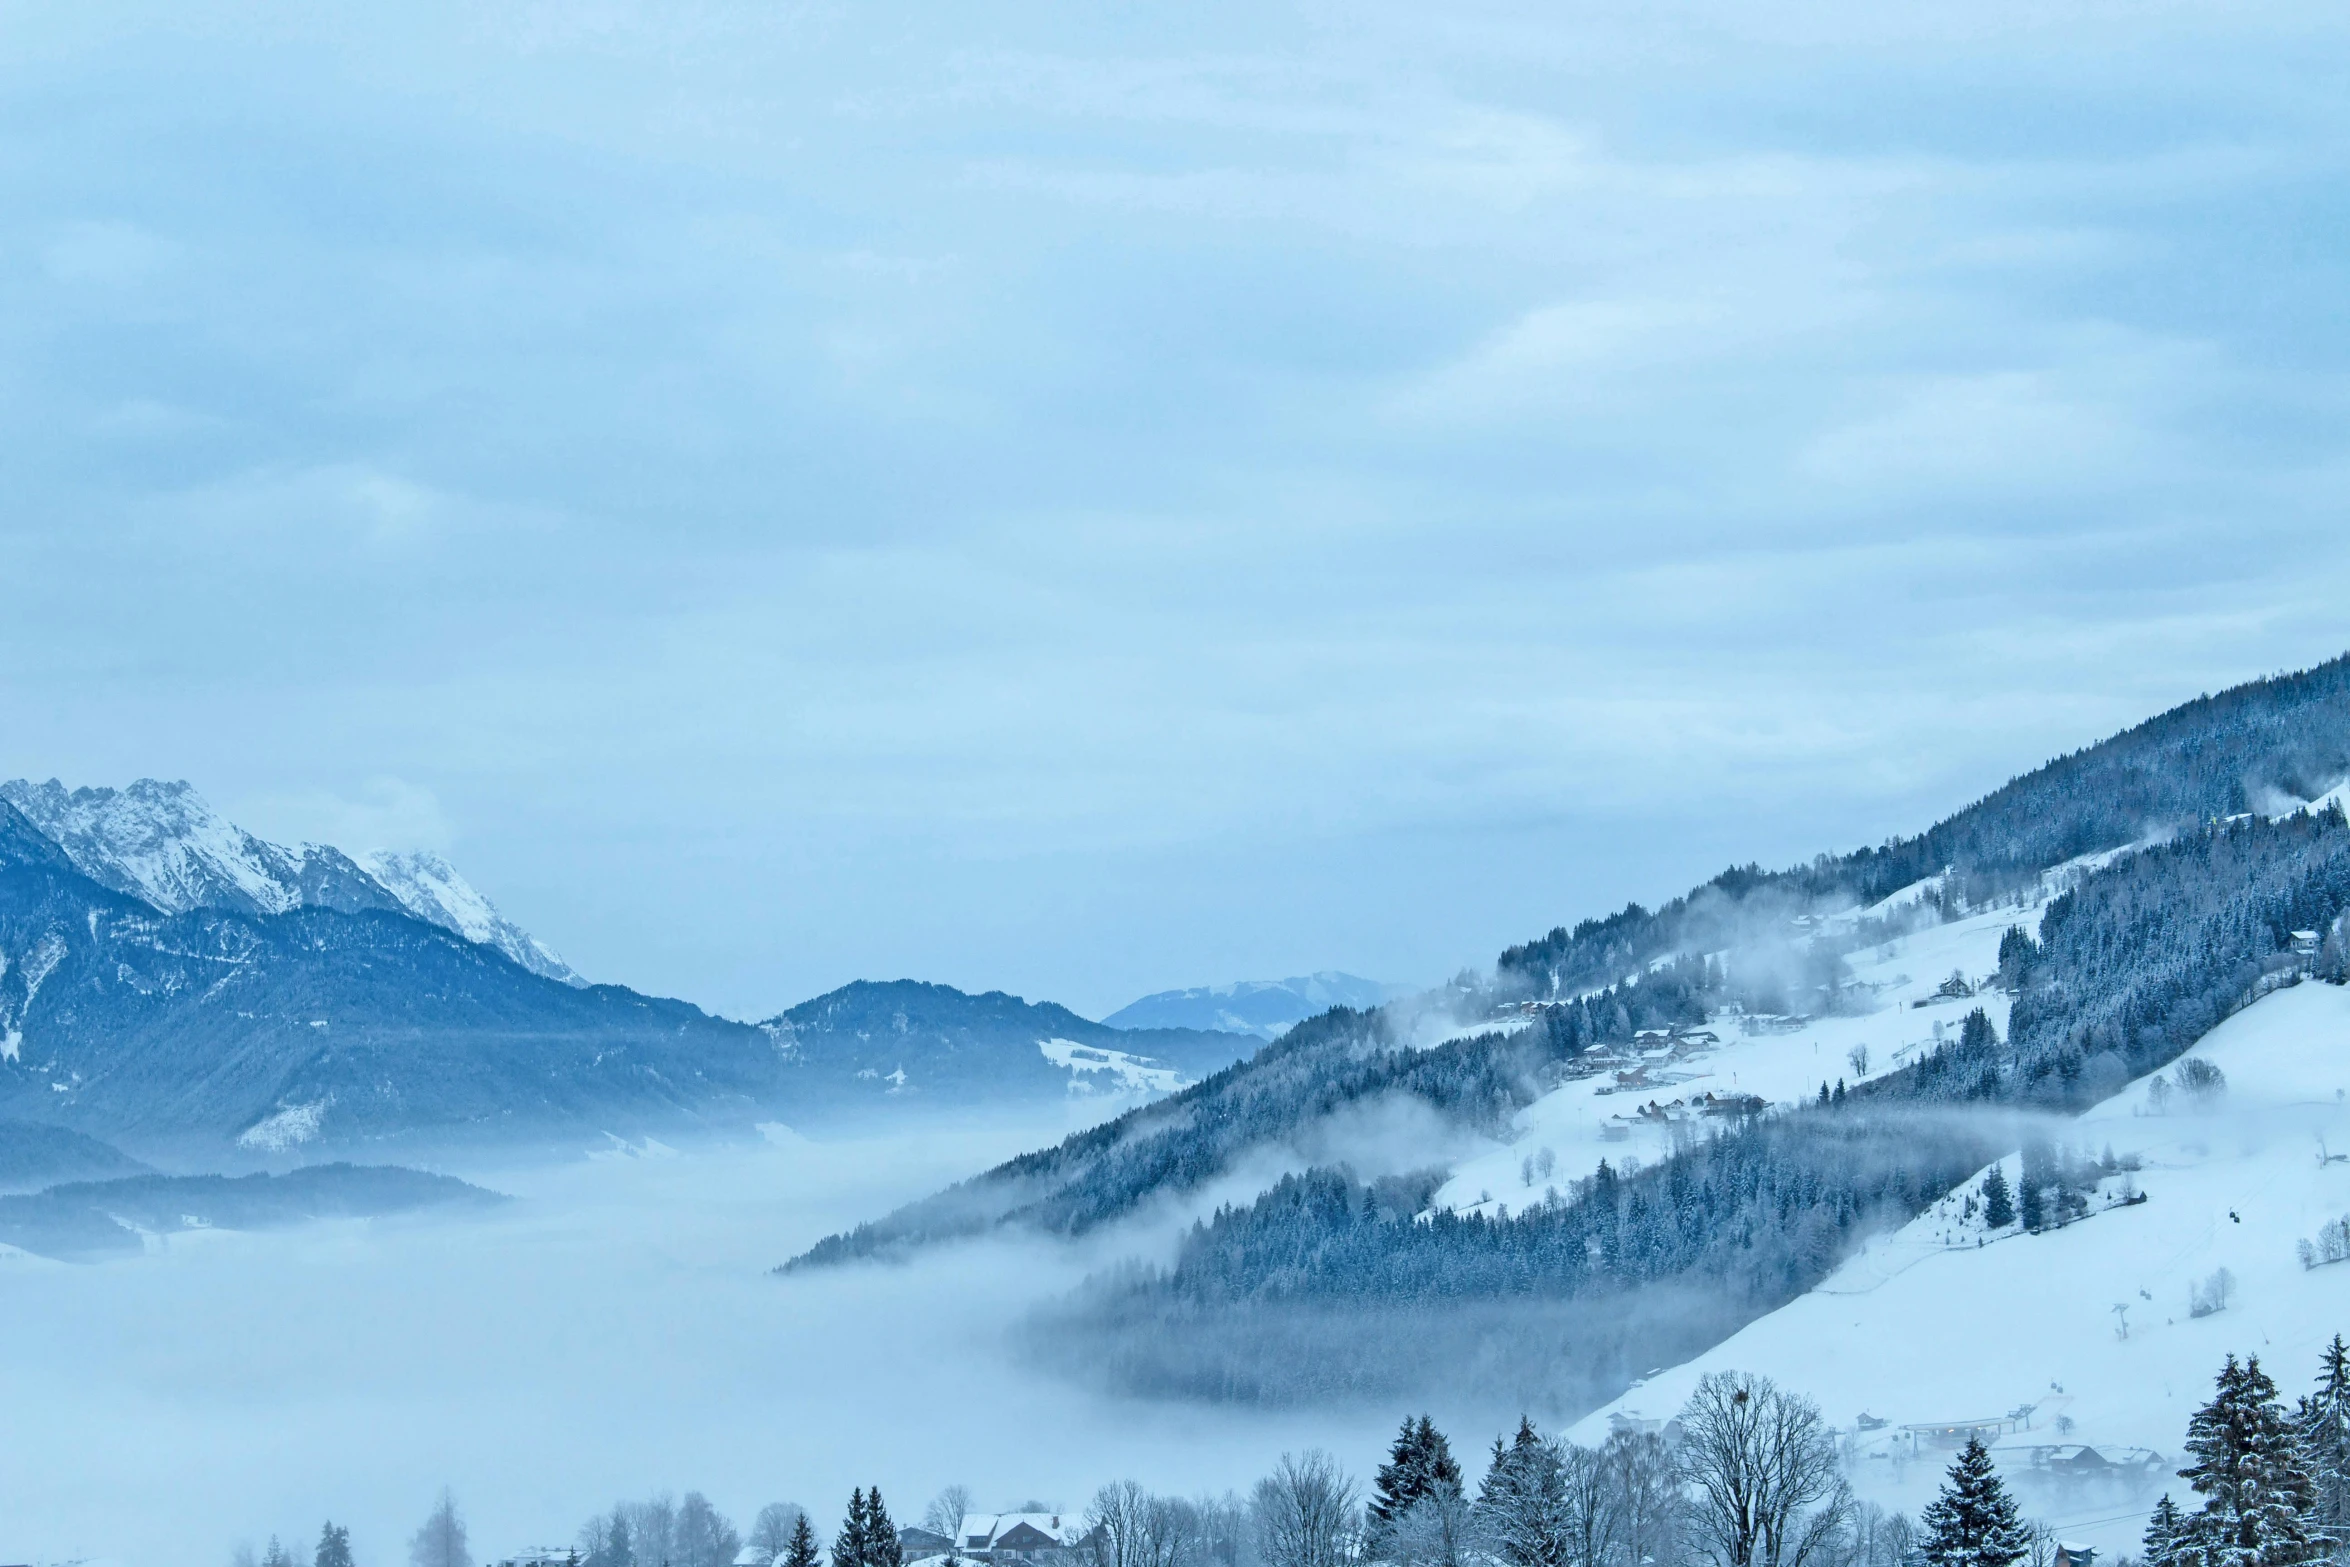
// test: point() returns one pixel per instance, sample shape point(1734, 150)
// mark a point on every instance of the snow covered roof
point(984, 1531)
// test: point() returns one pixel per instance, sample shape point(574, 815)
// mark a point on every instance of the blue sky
point(1085, 499)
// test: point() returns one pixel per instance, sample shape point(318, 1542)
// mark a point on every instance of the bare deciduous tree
point(1305, 1512)
point(946, 1512)
point(703, 1537)
point(1590, 1518)
point(1116, 1522)
point(1762, 1466)
point(1650, 1507)
point(1132, 1528)
point(1227, 1534)
point(441, 1542)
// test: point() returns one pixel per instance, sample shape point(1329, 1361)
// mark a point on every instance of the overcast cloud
point(1085, 500)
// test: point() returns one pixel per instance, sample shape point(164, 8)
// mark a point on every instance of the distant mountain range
point(906, 1037)
point(172, 983)
point(1266, 1008)
point(164, 845)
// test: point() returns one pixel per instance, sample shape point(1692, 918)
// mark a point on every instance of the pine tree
point(334, 1547)
point(2161, 1545)
point(881, 1536)
point(1417, 1464)
point(2323, 1422)
point(849, 1547)
point(2032, 1186)
point(802, 1551)
point(2249, 1467)
point(1522, 1504)
point(1998, 1206)
point(1974, 1522)
point(277, 1555)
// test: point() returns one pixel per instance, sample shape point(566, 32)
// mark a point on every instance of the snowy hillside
point(164, 844)
point(1263, 1007)
point(2088, 1334)
point(1634, 1105)
point(430, 888)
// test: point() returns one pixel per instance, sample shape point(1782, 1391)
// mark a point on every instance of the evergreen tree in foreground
point(1974, 1522)
point(881, 1536)
point(2161, 1545)
point(851, 1545)
point(801, 1551)
point(334, 1547)
point(2323, 1422)
point(2249, 1467)
point(1998, 1205)
point(1419, 1462)
point(1522, 1505)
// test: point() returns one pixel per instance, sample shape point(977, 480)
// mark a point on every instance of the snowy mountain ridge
point(1263, 1007)
point(430, 888)
point(163, 843)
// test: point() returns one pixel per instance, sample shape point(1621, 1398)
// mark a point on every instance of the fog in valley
point(613, 1332)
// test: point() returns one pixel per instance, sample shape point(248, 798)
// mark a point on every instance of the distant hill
point(907, 1039)
point(33, 1156)
point(1263, 1007)
point(86, 1221)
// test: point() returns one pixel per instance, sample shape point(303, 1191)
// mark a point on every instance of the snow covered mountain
point(193, 1032)
point(1263, 1007)
point(165, 845)
point(1645, 1132)
point(2102, 1334)
point(430, 888)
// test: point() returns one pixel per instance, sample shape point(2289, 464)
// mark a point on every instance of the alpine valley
point(2083, 1045)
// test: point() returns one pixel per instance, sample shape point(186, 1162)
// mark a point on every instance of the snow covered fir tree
point(1974, 1522)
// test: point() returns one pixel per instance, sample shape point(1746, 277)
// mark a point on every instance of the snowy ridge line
point(164, 844)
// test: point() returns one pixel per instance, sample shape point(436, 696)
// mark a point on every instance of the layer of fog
point(613, 1332)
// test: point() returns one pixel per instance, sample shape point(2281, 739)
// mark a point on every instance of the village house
point(1030, 1539)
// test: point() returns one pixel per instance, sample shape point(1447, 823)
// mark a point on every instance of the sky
point(1085, 500)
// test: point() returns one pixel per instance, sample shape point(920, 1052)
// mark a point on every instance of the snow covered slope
point(2087, 1334)
point(1263, 1007)
point(1636, 1109)
point(165, 845)
point(162, 843)
point(430, 888)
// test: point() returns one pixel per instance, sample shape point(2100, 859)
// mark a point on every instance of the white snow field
point(1928, 1327)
